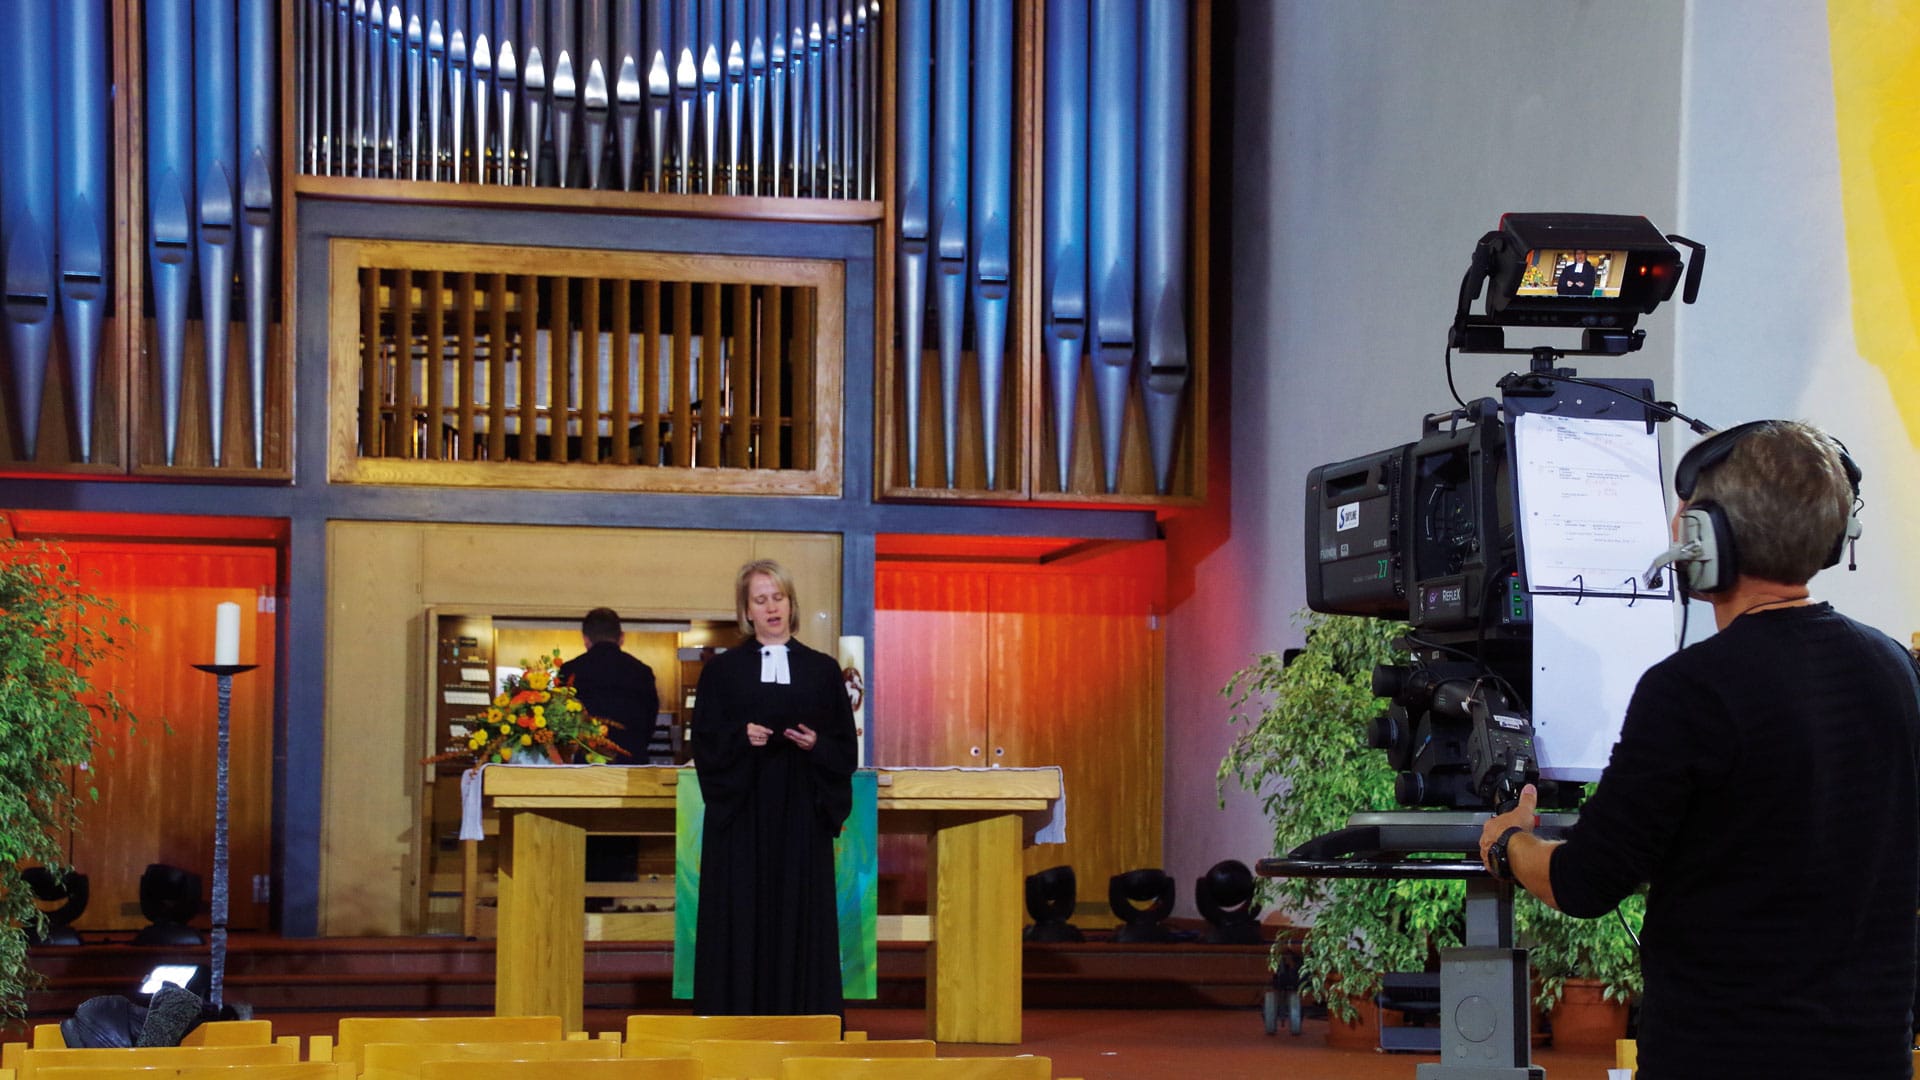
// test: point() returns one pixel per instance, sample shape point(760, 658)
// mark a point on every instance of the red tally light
point(1643, 271)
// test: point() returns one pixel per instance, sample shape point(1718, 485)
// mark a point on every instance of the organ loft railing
point(515, 367)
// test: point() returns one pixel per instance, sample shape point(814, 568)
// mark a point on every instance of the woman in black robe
point(774, 745)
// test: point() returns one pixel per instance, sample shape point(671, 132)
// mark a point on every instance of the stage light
point(1141, 924)
point(69, 892)
point(1051, 894)
point(1224, 895)
point(169, 897)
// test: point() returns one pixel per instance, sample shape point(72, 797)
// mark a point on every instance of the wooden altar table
point(976, 821)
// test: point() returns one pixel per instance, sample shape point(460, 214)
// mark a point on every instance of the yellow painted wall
point(382, 577)
point(1876, 91)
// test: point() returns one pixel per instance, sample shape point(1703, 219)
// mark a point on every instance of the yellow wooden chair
point(232, 1033)
point(402, 1061)
point(356, 1032)
point(1626, 1054)
point(684, 1068)
point(10, 1055)
point(952, 1068)
point(676, 1028)
point(212, 1033)
point(154, 1057)
point(294, 1070)
point(759, 1059)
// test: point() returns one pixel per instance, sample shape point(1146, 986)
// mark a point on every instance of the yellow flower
point(493, 715)
point(502, 699)
point(574, 706)
point(506, 729)
point(537, 680)
point(526, 740)
point(539, 721)
point(603, 729)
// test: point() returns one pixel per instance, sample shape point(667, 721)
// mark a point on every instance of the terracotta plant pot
point(1585, 1020)
point(1362, 1034)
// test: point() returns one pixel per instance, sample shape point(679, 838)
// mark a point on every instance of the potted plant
point(1303, 750)
point(1586, 971)
point(52, 634)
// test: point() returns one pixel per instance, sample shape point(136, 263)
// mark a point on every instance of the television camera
point(1425, 531)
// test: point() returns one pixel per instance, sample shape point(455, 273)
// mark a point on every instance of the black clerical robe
point(768, 939)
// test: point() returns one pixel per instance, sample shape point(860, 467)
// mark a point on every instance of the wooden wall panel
point(383, 576)
point(1081, 688)
point(156, 783)
point(1032, 663)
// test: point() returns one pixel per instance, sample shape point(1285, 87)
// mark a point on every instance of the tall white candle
point(226, 634)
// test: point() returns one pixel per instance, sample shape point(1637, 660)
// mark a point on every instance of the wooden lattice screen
point(485, 366)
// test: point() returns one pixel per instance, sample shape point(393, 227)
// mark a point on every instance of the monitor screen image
point(1573, 272)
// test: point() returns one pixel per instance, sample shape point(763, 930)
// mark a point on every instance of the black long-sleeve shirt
point(1767, 785)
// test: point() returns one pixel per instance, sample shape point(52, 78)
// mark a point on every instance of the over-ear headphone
point(1707, 549)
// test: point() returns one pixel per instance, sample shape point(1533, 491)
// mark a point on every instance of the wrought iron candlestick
point(224, 673)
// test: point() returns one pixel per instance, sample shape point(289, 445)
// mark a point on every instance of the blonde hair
point(740, 585)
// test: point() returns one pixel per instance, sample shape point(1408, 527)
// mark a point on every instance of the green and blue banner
point(856, 868)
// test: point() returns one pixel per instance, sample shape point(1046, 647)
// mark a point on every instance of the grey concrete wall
point(1373, 143)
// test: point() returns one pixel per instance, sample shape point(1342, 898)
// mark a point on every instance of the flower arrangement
point(536, 713)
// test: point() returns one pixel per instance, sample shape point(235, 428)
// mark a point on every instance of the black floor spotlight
point(61, 898)
point(1051, 894)
point(1224, 895)
point(169, 898)
point(1126, 892)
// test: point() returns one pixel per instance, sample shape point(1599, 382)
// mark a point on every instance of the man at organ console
point(616, 686)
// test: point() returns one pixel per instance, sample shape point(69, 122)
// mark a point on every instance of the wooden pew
point(295, 1070)
point(685, 1068)
point(356, 1032)
point(677, 1028)
point(759, 1059)
point(978, 1068)
point(155, 1057)
point(402, 1061)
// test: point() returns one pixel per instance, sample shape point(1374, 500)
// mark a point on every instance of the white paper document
point(1592, 511)
point(1588, 654)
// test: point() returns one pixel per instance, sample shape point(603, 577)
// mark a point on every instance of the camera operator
point(1766, 785)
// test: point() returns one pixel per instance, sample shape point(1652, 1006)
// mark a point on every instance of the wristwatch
point(1497, 854)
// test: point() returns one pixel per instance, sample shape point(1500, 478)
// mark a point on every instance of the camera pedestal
point(1484, 1031)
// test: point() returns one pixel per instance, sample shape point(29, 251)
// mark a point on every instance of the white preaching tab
point(1592, 509)
point(773, 665)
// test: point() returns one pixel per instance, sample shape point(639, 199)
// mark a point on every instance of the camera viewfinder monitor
point(1592, 270)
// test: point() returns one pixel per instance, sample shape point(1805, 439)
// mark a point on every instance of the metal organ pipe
point(1112, 150)
point(913, 195)
point(215, 136)
point(85, 200)
point(170, 217)
point(27, 204)
point(992, 211)
point(1064, 219)
point(259, 154)
point(1162, 318)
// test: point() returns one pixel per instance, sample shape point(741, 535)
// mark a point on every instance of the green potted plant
point(52, 633)
point(1586, 971)
point(1303, 750)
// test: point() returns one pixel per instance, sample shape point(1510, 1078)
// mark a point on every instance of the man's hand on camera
point(1528, 858)
point(1520, 817)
